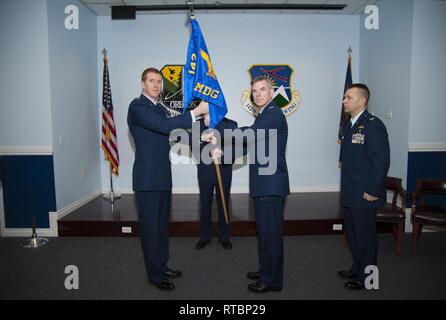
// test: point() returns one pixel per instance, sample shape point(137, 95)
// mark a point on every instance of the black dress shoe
point(254, 275)
point(346, 274)
point(164, 285)
point(173, 274)
point(258, 287)
point(355, 285)
point(201, 244)
point(226, 244)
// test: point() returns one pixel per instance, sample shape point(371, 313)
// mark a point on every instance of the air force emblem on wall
point(284, 97)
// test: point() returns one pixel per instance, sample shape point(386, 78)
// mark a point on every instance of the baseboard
point(26, 150)
point(238, 190)
point(335, 188)
point(77, 204)
point(427, 147)
point(52, 231)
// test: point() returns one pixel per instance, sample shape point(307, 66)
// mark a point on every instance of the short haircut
point(150, 70)
point(262, 78)
point(363, 91)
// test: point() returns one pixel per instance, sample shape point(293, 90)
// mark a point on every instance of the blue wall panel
point(28, 190)
point(426, 165)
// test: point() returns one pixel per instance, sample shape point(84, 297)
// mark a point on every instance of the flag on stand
point(109, 138)
point(345, 117)
point(200, 80)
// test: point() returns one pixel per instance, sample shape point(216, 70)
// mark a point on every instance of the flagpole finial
point(350, 50)
point(104, 52)
point(191, 9)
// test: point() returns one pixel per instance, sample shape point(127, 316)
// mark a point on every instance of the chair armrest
point(415, 196)
point(404, 197)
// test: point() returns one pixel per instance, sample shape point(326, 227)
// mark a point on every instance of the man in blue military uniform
point(268, 189)
point(365, 160)
point(207, 182)
point(152, 177)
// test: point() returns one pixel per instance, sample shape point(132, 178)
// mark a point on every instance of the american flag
point(109, 139)
point(345, 117)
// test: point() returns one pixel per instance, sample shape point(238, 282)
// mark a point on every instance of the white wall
point(25, 108)
point(73, 70)
point(385, 68)
point(428, 81)
point(314, 45)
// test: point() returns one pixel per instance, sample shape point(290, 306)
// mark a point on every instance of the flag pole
point(35, 241)
point(344, 115)
point(220, 187)
point(191, 9)
point(111, 195)
point(216, 161)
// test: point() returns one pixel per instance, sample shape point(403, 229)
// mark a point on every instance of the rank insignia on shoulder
point(361, 127)
point(373, 118)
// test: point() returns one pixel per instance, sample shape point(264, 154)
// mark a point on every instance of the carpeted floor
point(113, 268)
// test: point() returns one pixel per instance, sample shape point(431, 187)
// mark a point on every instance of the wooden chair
point(427, 215)
point(392, 213)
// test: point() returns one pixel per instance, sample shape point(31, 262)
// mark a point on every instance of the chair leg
point(395, 228)
point(416, 231)
point(399, 238)
point(420, 229)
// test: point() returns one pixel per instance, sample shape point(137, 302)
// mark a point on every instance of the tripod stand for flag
point(111, 195)
point(34, 241)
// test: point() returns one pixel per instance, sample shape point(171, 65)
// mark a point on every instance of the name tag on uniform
point(358, 138)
